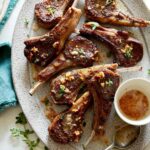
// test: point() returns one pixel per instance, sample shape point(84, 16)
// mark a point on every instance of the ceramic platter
point(23, 78)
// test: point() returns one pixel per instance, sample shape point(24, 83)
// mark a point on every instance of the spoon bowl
point(125, 137)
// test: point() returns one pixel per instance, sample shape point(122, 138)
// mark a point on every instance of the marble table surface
point(7, 117)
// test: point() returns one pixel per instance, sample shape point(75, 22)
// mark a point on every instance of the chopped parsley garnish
point(149, 71)
point(21, 119)
point(46, 102)
point(77, 51)
point(128, 51)
point(51, 10)
point(45, 148)
point(94, 25)
point(109, 82)
point(61, 90)
point(62, 117)
point(36, 60)
point(108, 2)
point(26, 22)
point(81, 86)
point(80, 51)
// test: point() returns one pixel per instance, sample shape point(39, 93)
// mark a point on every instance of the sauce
point(49, 111)
point(134, 104)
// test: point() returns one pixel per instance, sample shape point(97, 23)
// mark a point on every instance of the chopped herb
point(61, 90)
point(36, 60)
point(51, 10)
point(21, 119)
point(81, 51)
point(15, 132)
point(46, 102)
point(109, 82)
point(149, 71)
point(45, 148)
point(26, 22)
point(24, 133)
point(94, 25)
point(108, 2)
point(62, 116)
point(77, 51)
point(82, 86)
point(128, 51)
point(32, 144)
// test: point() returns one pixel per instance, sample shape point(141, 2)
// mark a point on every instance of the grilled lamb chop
point(105, 11)
point(42, 50)
point(50, 12)
point(67, 126)
point(65, 88)
point(102, 107)
point(127, 51)
point(79, 51)
point(103, 91)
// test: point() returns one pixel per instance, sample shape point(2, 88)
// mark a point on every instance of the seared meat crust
point(79, 51)
point(105, 11)
point(127, 51)
point(42, 50)
point(64, 89)
point(67, 126)
point(48, 13)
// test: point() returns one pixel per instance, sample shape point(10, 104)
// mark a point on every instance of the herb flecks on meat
point(67, 127)
point(105, 11)
point(127, 51)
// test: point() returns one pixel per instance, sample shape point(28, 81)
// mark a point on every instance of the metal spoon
point(124, 137)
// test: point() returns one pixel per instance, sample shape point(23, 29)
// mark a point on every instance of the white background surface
point(7, 117)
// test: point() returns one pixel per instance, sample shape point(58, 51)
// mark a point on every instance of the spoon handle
point(110, 147)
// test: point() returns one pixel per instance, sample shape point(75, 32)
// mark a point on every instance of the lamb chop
point(127, 51)
point(79, 51)
point(103, 91)
point(49, 12)
point(105, 11)
point(67, 126)
point(65, 88)
point(42, 50)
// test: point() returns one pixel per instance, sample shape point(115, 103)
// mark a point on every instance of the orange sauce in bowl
point(134, 104)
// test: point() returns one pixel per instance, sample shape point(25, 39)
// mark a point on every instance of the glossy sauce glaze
point(134, 104)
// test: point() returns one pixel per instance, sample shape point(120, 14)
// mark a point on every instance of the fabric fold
point(7, 94)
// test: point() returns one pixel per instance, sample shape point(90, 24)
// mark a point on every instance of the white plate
point(32, 107)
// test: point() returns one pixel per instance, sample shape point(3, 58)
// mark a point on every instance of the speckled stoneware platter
point(31, 105)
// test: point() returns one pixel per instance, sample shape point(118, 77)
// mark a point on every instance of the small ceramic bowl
point(139, 84)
